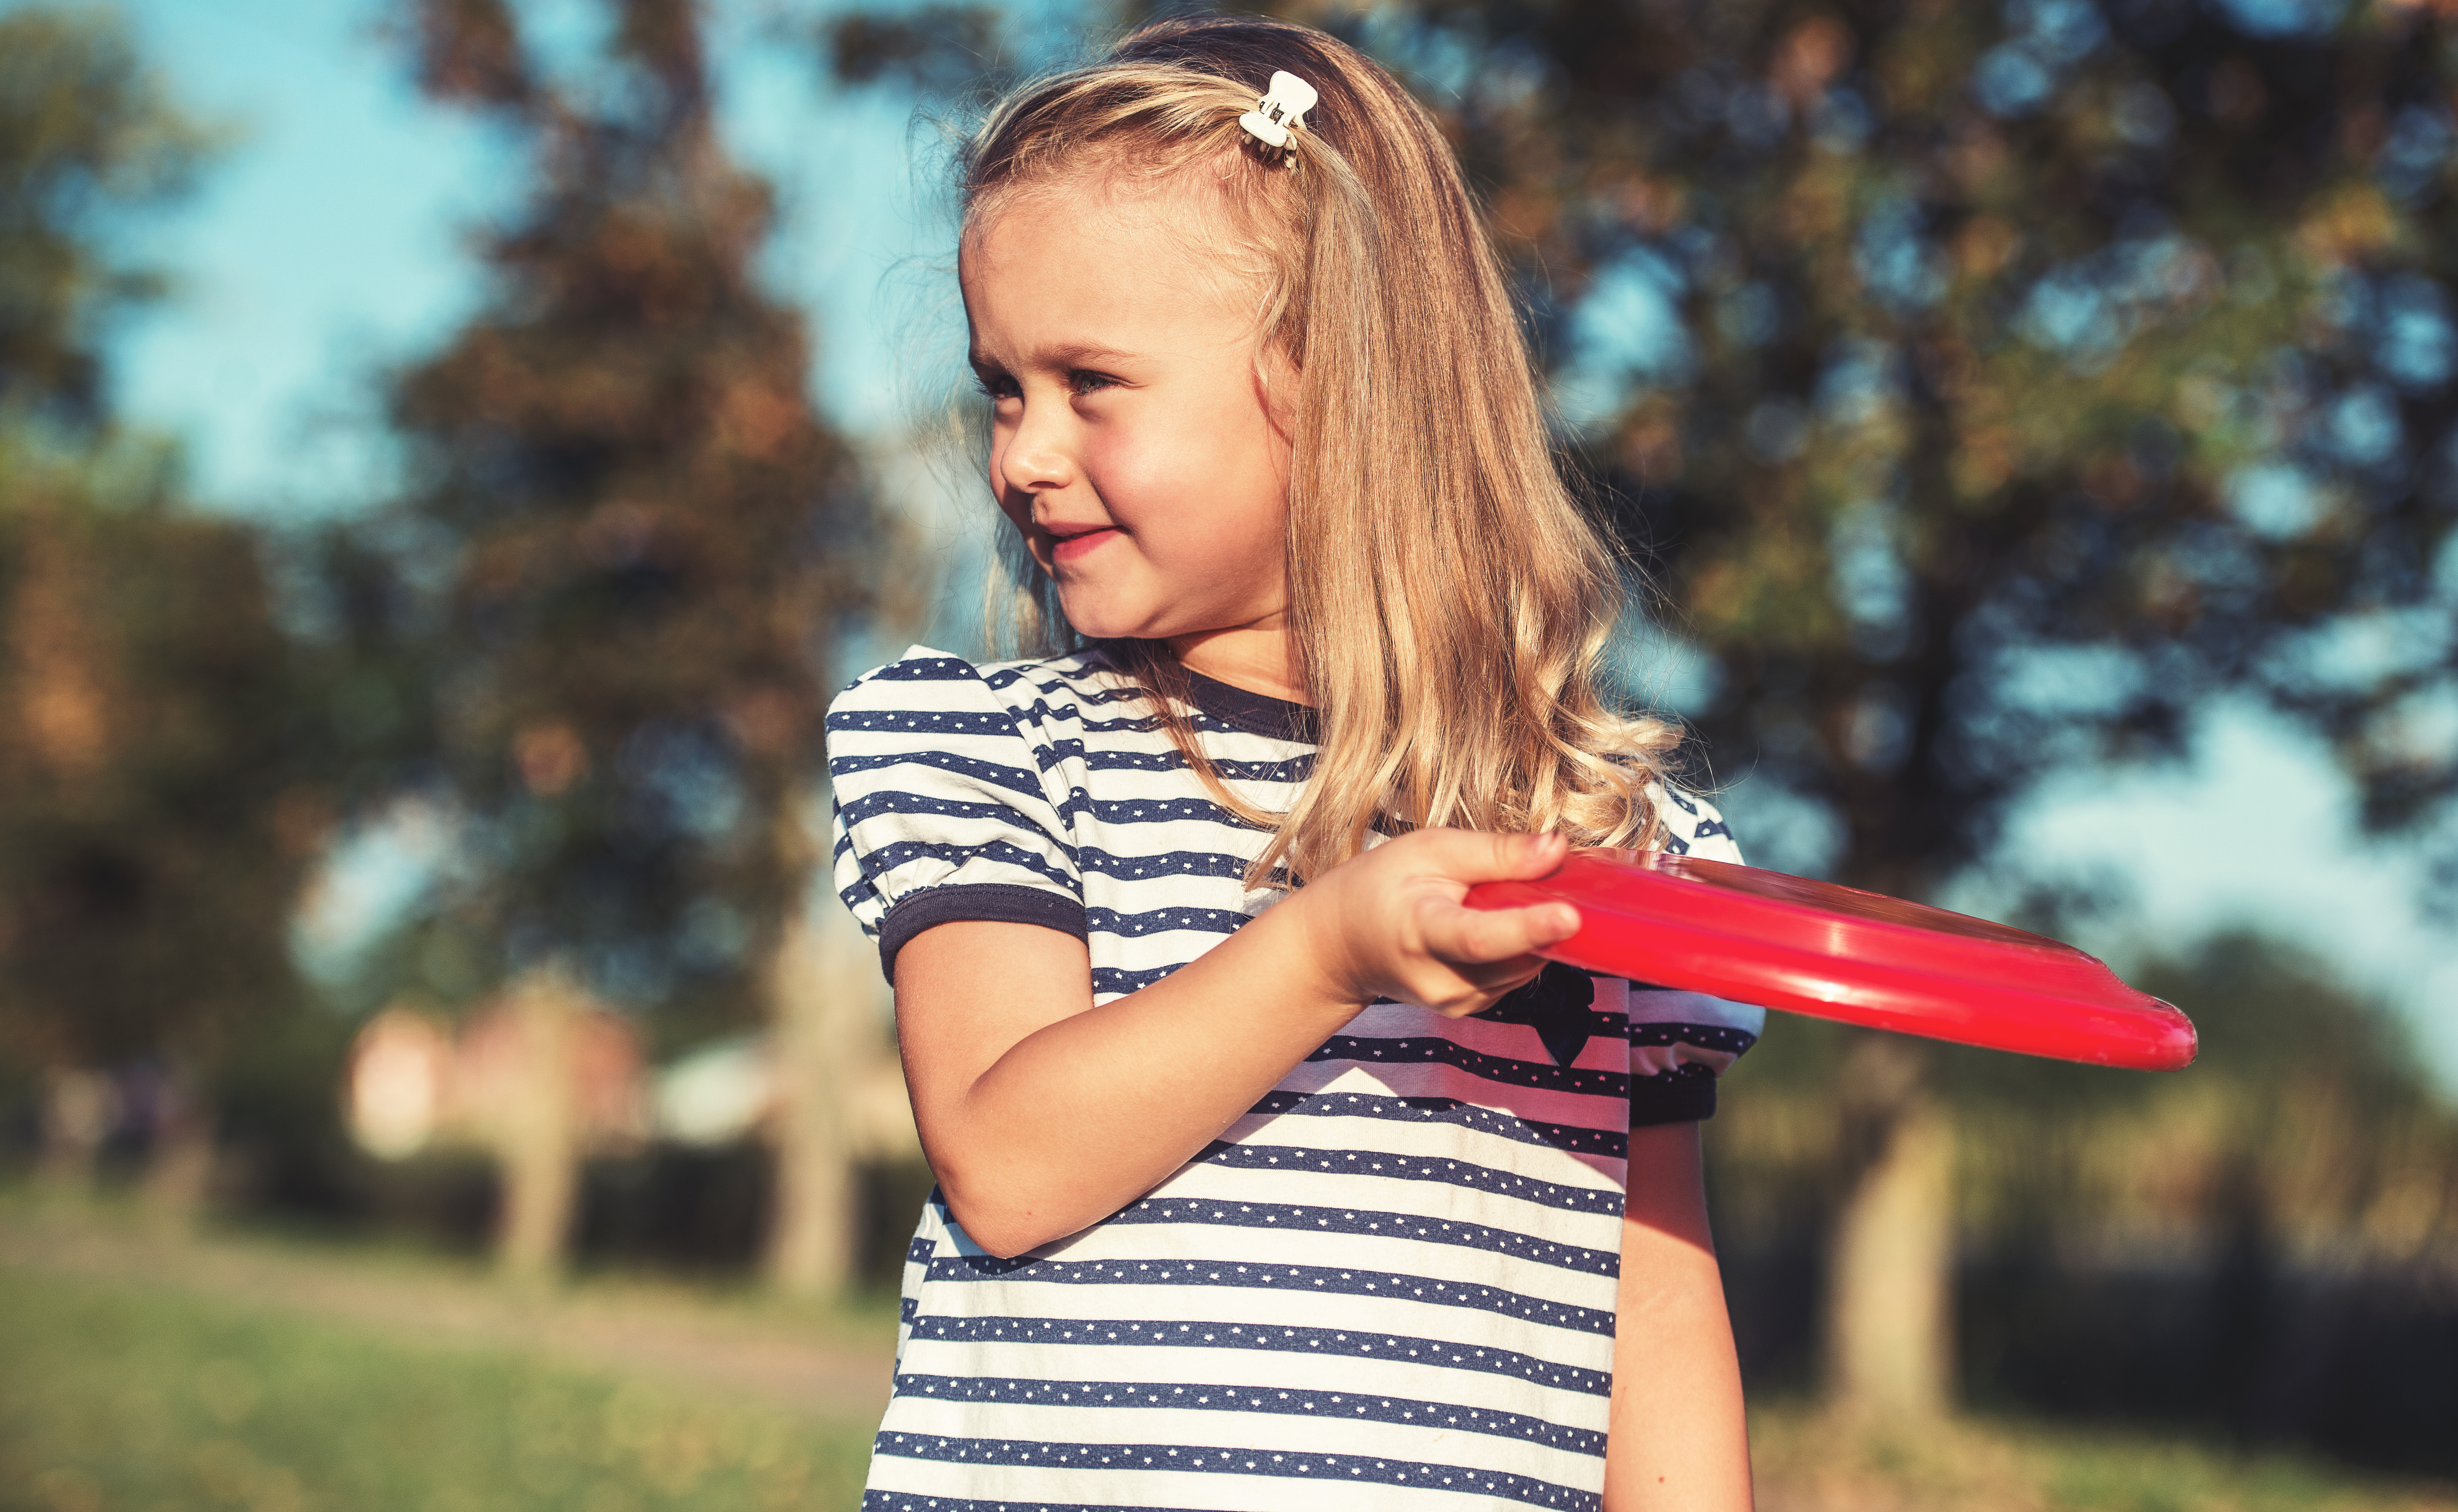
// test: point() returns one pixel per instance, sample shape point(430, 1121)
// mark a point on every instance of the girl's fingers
point(1481, 856)
point(1455, 932)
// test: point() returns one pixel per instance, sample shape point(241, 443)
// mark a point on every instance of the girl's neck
point(1253, 657)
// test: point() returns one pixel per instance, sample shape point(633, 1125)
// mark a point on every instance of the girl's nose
point(1035, 458)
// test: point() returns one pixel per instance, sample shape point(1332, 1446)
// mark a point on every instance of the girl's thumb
point(1539, 854)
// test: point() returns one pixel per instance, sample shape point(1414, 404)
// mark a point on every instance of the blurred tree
point(639, 539)
point(152, 831)
point(151, 828)
point(1989, 388)
point(935, 51)
point(2259, 1246)
point(86, 136)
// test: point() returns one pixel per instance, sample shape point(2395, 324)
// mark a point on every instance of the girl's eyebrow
point(1058, 357)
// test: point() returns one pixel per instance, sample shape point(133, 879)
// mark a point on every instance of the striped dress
point(1390, 1285)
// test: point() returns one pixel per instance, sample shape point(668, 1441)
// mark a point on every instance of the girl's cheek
point(1139, 475)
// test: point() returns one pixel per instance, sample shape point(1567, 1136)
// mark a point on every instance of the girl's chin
point(1114, 622)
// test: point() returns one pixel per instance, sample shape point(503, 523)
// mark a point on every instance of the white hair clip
point(1280, 111)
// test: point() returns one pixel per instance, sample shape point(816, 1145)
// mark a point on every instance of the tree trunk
point(538, 1131)
point(1889, 1344)
point(824, 999)
point(80, 1108)
point(179, 1164)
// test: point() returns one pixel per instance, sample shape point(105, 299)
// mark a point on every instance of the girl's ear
point(1277, 376)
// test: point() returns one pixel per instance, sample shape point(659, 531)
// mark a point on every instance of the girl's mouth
point(1069, 547)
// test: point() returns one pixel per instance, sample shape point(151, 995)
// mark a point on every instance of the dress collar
point(1276, 718)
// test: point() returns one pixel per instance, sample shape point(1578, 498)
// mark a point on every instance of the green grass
point(118, 1400)
point(1805, 1460)
point(118, 1396)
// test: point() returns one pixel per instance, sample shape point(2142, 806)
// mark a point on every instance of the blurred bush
point(2263, 1247)
point(154, 825)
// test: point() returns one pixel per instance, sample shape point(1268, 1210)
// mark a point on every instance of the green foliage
point(118, 1396)
point(631, 536)
point(1987, 386)
point(152, 834)
point(86, 135)
point(937, 50)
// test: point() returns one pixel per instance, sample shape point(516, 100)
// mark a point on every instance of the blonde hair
point(1450, 601)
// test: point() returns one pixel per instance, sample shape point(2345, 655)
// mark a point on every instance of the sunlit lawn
point(119, 1398)
point(1807, 1463)
point(113, 1398)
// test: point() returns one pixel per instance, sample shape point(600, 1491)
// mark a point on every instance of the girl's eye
point(1080, 383)
point(996, 388)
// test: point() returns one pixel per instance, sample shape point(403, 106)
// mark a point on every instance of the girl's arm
point(1677, 1438)
point(1041, 1114)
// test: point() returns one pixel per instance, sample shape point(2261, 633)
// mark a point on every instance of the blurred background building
point(451, 449)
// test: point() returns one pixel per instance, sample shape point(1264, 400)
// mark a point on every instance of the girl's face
point(1132, 440)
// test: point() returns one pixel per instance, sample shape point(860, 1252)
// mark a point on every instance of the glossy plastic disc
point(1803, 946)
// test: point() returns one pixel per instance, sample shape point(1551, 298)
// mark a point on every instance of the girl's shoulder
point(1047, 700)
point(1693, 826)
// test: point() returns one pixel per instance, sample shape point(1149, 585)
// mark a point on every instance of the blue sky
point(328, 243)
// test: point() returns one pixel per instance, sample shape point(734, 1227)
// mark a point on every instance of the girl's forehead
point(1129, 256)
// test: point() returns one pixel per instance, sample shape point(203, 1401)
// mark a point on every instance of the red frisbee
point(1839, 953)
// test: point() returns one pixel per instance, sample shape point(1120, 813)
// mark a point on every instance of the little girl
point(1271, 1176)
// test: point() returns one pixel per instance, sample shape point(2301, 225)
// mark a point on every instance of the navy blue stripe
point(1705, 1036)
point(1123, 983)
point(1041, 713)
point(1088, 691)
point(921, 669)
point(1292, 772)
point(1160, 921)
point(1148, 810)
point(1095, 862)
point(956, 1266)
point(1203, 718)
point(1014, 779)
point(1366, 1223)
point(889, 805)
point(921, 721)
point(1348, 1406)
point(1578, 1139)
point(1429, 1049)
point(1278, 1338)
point(1342, 1468)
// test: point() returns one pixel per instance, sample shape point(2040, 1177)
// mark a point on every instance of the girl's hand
point(1390, 924)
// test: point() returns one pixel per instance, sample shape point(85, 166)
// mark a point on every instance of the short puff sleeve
point(944, 807)
point(1680, 1043)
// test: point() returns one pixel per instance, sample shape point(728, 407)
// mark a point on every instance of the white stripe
point(1406, 1140)
point(1133, 1485)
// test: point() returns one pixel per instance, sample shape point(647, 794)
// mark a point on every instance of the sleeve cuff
point(993, 902)
point(1672, 1100)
